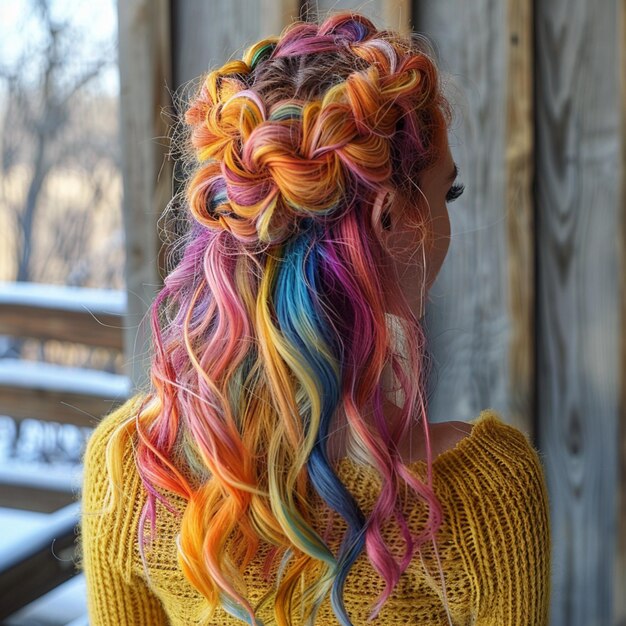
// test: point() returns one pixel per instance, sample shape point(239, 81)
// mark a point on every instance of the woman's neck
point(410, 448)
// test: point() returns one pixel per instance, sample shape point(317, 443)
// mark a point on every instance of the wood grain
point(392, 14)
point(468, 320)
point(579, 146)
point(519, 211)
point(145, 79)
point(23, 320)
point(619, 579)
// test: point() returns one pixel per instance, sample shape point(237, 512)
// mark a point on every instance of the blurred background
point(526, 316)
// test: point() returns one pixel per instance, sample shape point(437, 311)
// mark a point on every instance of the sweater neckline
point(486, 416)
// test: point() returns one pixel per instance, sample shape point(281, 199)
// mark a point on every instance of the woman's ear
point(386, 219)
point(387, 211)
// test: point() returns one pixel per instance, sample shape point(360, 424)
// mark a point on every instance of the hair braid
point(262, 171)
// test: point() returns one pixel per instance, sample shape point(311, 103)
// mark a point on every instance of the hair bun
point(304, 158)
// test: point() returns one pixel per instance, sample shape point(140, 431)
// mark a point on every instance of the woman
point(281, 466)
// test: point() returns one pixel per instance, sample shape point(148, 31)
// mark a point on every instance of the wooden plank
point(93, 317)
point(397, 15)
point(103, 331)
point(580, 274)
point(619, 580)
point(468, 320)
point(63, 297)
point(392, 14)
point(41, 500)
point(519, 207)
point(39, 487)
point(145, 81)
point(55, 393)
point(206, 35)
point(55, 406)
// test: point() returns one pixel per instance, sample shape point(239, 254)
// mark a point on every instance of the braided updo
point(322, 120)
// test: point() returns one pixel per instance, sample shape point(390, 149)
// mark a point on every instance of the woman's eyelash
point(454, 192)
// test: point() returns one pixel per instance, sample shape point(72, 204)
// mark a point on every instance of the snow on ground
point(20, 531)
point(66, 605)
point(19, 528)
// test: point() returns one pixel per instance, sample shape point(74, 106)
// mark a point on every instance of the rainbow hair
point(275, 319)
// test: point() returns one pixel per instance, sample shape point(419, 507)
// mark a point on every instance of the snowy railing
point(40, 562)
point(45, 391)
point(56, 393)
point(75, 314)
point(52, 392)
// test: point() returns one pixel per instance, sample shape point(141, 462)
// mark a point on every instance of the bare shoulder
point(452, 432)
point(445, 435)
point(459, 426)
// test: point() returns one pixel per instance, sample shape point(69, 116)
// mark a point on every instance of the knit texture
point(494, 544)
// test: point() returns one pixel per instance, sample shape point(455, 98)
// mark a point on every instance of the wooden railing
point(33, 568)
point(57, 393)
point(51, 392)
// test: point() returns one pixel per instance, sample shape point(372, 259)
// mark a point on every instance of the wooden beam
point(145, 81)
point(276, 14)
point(39, 487)
point(41, 500)
point(519, 211)
point(580, 274)
point(469, 320)
point(206, 35)
point(619, 580)
point(54, 406)
point(391, 14)
point(104, 331)
point(397, 15)
point(94, 317)
point(67, 395)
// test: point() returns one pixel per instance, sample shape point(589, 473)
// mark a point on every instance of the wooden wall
point(580, 277)
point(526, 315)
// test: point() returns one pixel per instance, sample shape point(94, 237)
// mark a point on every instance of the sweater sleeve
point(115, 595)
point(512, 528)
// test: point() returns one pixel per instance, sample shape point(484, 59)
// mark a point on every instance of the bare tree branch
point(35, 121)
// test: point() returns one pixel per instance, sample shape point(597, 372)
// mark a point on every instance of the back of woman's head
point(274, 324)
point(310, 125)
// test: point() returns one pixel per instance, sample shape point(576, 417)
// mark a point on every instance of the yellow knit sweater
point(494, 544)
